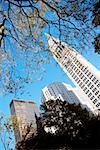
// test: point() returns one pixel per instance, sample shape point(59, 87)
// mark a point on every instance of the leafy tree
point(64, 126)
point(96, 14)
point(96, 23)
point(7, 124)
point(97, 44)
point(68, 120)
point(22, 27)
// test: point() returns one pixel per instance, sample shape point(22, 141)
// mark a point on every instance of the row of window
point(85, 70)
point(82, 72)
point(81, 75)
point(98, 104)
point(83, 85)
point(91, 76)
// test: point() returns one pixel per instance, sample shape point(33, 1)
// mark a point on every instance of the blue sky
point(53, 74)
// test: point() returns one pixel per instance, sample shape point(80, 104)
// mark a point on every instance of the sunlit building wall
point(25, 112)
point(61, 91)
point(83, 74)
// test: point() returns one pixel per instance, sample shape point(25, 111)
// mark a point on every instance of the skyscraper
point(83, 74)
point(62, 91)
point(59, 90)
point(25, 113)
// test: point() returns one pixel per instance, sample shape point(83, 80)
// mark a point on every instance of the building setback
point(83, 74)
point(25, 113)
point(59, 90)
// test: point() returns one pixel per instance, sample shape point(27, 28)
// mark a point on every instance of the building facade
point(83, 74)
point(25, 113)
point(59, 90)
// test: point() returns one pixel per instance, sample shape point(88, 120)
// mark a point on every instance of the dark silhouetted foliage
point(97, 44)
point(74, 128)
point(96, 14)
point(96, 23)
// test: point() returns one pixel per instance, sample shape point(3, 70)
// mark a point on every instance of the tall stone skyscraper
point(25, 113)
point(83, 74)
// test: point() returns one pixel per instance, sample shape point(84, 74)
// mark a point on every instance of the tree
point(96, 23)
point(68, 120)
point(7, 124)
point(64, 126)
point(96, 14)
point(97, 44)
point(22, 27)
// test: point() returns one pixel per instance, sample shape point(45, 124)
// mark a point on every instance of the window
point(77, 70)
point(96, 81)
point(80, 84)
point(88, 74)
point(91, 76)
point(73, 75)
point(76, 61)
point(87, 91)
point(94, 90)
point(84, 69)
point(97, 93)
point(80, 66)
point(80, 74)
point(98, 85)
point(62, 46)
point(83, 86)
point(92, 98)
point(74, 67)
point(78, 81)
point(66, 66)
point(89, 94)
point(71, 72)
point(91, 87)
point(76, 78)
point(84, 79)
point(89, 83)
point(74, 58)
point(95, 101)
point(98, 105)
point(56, 56)
point(99, 97)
